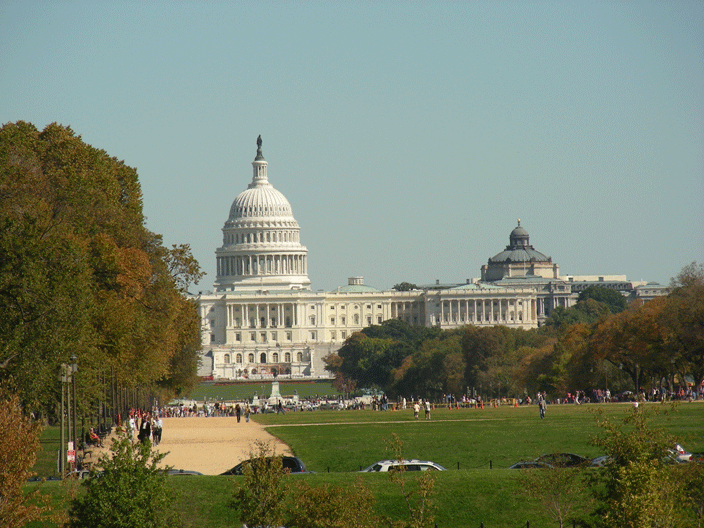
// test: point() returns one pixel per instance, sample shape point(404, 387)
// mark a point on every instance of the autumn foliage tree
point(19, 443)
point(80, 274)
point(683, 320)
point(634, 340)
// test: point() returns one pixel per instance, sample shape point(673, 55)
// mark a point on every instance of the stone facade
point(258, 334)
point(263, 321)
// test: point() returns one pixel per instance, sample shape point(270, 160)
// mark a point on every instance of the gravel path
point(209, 445)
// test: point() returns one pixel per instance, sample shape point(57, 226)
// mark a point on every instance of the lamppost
point(74, 369)
point(63, 379)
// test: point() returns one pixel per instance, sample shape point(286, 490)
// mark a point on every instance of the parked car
point(601, 461)
point(697, 458)
point(408, 465)
point(182, 472)
point(562, 460)
point(681, 454)
point(530, 464)
point(290, 464)
point(675, 455)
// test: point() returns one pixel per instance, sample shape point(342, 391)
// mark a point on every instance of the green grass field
point(335, 444)
point(231, 391)
point(472, 438)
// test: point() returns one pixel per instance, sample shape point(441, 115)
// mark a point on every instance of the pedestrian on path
point(542, 404)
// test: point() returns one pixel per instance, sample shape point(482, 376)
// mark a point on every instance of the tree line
point(82, 276)
point(601, 342)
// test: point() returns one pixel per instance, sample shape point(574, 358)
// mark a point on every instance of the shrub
point(637, 488)
point(260, 496)
point(128, 489)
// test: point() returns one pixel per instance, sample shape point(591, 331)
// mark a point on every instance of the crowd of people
point(147, 425)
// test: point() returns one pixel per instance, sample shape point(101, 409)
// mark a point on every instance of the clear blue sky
point(407, 136)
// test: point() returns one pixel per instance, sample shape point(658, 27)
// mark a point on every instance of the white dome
point(261, 239)
point(261, 200)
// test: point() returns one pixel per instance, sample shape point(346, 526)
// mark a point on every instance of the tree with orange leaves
point(19, 443)
point(634, 340)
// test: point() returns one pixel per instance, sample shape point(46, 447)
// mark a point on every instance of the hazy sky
point(407, 136)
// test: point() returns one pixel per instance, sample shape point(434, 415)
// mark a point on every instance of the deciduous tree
point(611, 298)
point(683, 319)
point(19, 443)
point(81, 275)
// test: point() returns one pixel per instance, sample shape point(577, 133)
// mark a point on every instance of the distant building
point(519, 259)
point(520, 265)
point(649, 291)
point(262, 320)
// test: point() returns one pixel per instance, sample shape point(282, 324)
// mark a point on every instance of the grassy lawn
point(335, 444)
point(470, 438)
point(463, 498)
point(228, 391)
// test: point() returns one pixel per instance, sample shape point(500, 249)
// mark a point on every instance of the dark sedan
point(290, 464)
point(563, 460)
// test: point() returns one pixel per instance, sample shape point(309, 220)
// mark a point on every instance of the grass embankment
point(342, 441)
point(241, 390)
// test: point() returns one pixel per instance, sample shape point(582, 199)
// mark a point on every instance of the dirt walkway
point(210, 445)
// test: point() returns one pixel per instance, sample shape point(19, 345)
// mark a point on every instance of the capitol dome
point(261, 239)
point(262, 200)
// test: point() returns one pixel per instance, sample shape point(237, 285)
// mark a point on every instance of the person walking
point(156, 430)
point(542, 404)
point(247, 412)
point(416, 410)
point(238, 412)
point(427, 409)
point(145, 429)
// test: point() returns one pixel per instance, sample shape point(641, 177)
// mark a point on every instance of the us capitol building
point(262, 320)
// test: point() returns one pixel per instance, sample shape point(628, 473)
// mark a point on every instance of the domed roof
point(518, 231)
point(356, 285)
point(260, 201)
point(519, 249)
point(520, 255)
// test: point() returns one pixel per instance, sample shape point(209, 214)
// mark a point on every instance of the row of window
point(263, 357)
point(260, 237)
point(486, 318)
point(342, 307)
point(343, 320)
point(264, 337)
point(311, 321)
